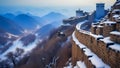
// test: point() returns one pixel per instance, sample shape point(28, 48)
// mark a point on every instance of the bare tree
point(11, 57)
point(19, 52)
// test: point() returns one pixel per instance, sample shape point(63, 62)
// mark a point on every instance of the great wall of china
point(99, 47)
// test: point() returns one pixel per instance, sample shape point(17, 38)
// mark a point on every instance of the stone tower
point(100, 11)
point(79, 13)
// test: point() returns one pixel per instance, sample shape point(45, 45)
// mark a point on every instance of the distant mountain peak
point(53, 16)
point(23, 16)
point(9, 15)
point(54, 13)
point(9, 25)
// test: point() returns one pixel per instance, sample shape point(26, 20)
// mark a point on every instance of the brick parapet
point(100, 48)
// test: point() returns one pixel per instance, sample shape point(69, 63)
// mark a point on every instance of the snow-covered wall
point(104, 48)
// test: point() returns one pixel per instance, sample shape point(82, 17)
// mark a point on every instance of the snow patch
point(109, 22)
point(107, 40)
point(80, 64)
point(99, 26)
point(116, 10)
point(78, 26)
point(115, 47)
point(11, 35)
point(38, 26)
point(69, 66)
point(115, 32)
point(96, 36)
point(116, 16)
point(19, 44)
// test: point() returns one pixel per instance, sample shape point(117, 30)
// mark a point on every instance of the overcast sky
point(48, 3)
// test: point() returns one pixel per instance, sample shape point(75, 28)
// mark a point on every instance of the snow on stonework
point(100, 26)
point(114, 46)
point(96, 36)
point(80, 64)
point(78, 26)
point(95, 60)
point(109, 22)
point(69, 66)
point(116, 10)
point(77, 42)
point(107, 40)
point(115, 32)
point(116, 16)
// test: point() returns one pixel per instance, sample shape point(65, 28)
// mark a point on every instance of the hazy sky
point(47, 3)
point(42, 7)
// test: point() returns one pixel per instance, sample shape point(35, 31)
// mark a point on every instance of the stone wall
point(93, 29)
point(74, 53)
point(97, 46)
point(115, 38)
point(84, 38)
point(74, 20)
point(107, 29)
point(118, 26)
point(99, 30)
point(78, 55)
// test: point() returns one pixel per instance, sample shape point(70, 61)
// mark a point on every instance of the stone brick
point(93, 30)
point(107, 29)
point(74, 53)
point(88, 62)
point(113, 59)
point(99, 30)
point(115, 38)
point(118, 26)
